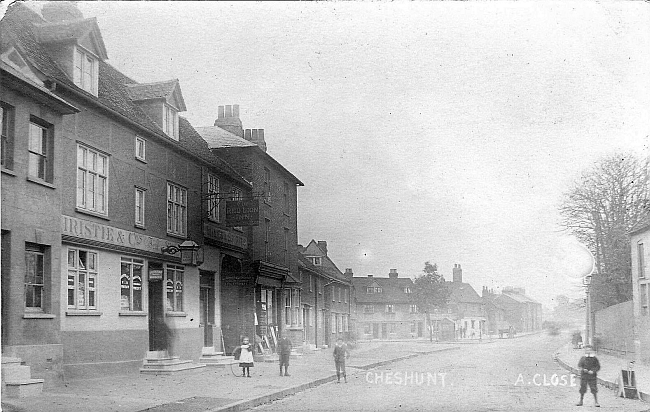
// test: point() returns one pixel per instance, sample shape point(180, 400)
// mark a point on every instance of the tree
point(610, 198)
point(430, 292)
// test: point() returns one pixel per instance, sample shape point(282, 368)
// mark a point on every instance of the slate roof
point(322, 270)
point(218, 138)
point(70, 30)
point(462, 292)
point(392, 290)
point(18, 27)
point(518, 297)
point(641, 225)
point(156, 90)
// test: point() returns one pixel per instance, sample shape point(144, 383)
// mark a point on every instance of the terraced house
point(113, 235)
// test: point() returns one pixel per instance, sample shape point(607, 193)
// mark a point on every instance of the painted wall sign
point(85, 229)
point(224, 236)
point(243, 212)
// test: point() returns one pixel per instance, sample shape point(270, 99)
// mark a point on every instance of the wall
point(614, 328)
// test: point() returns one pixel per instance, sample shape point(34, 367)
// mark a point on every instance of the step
point(159, 361)
point(165, 365)
point(181, 367)
point(210, 351)
point(219, 361)
point(9, 360)
point(15, 372)
point(24, 389)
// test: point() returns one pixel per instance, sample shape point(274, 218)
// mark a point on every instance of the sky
point(441, 131)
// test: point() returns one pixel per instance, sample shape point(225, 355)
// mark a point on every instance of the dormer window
point(170, 121)
point(85, 70)
point(316, 260)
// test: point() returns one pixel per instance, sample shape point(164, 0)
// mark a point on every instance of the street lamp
point(191, 252)
point(589, 329)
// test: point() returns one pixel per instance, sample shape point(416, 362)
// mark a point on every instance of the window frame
point(83, 56)
point(84, 192)
point(167, 123)
point(141, 142)
point(213, 187)
point(33, 249)
point(390, 308)
point(267, 239)
point(87, 272)
point(176, 304)
point(132, 263)
point(7, 133)
point(140, 201)
point(368, 308)
point(641, 260)
point(176, 210)
point(44, 153)
point(413, 308)
point(267, 185)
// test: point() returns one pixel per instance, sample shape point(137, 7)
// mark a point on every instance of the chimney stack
point(393, 274)
point(457, 273)
point(228, 119)
point(61, 11)
point(348, 273)
point(323, 246)
point(369, 276)
point(256, 136)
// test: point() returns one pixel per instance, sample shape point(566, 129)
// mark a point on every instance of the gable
point(15, 60)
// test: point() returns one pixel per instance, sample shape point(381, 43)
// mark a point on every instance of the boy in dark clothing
point(589, 367)
point(340, 353)
point(284, 350)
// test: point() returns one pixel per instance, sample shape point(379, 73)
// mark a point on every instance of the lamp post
point(588, 326)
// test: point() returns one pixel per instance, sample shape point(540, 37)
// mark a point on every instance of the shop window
point(92, 180)
point(35, 267)
point(82, 279)
point(174, 289)
point(131, 284)
point(7, 114)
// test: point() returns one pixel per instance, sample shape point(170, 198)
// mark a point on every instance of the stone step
point(31, 387)
point(16, 373)
point(172, 369)
point(9, 360)
point(218, 361)
point(171, 364)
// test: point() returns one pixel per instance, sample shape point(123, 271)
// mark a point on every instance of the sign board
point(155, 274)
point(243, 212)
point(627, 385)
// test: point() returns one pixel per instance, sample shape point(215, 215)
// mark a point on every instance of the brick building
point(512, 308)
point(261, 294)
point(326, 296)
point(384, 309)
point(102, 182)
point(640, 253)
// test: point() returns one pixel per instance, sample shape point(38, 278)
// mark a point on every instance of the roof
point(392, 290)
point(330, 273)
point(463, 292)
point(218, 138)
point(19, 27)
point(156, 90)
point(71, 30)
point(518, 297)
point(641, 225)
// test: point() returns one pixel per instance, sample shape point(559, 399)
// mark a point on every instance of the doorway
point(419, 329)
point(206, 306)
point(158, 329)
point(375, 330)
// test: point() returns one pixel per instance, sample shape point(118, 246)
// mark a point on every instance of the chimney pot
point(369, 276)
point(247, 134)
point(235, 110)
point(220, 113)
point(393, 274)
point(228, 110)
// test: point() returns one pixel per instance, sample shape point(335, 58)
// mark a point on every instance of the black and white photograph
point(224, 206)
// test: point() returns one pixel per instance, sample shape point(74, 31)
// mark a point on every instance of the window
point(413, 327)
point(34, 277)
point(340, 293)
point(286, 247)
point(40, 150)
point(267, 239)
point(413, 308)
point(7, 116)
point(311, 283)
point(339, 322)
point(345, 295)
point(174, 279)
point(392, 328)
point(176, 210)
point(368, 308)
point(92, 180)
point(366, 328)
point(213, 197)
point(333, 290)
point(287, 306)
point(346, 323)
point(390, 308)
point(640, 253)
point(237, 195)
point(473, 324)
point(643, 298)
point(407, 290)
point(267, 185)
point(85, 71)
point(82, 279)
point(131, 284)
point(316, 260)
point(295, 311)
point(333, 322)
point(139, 207)
point(285, 198)
point(321, 286)
point(170, 121)
point(311, 316)
point(372, 290)
point(140, 148)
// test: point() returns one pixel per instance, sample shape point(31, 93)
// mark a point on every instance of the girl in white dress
point(246, 358)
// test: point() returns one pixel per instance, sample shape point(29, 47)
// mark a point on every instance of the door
point(375, 330)
point(384, 331)
point(158, 330)
point(419, 329)
point(206, 306)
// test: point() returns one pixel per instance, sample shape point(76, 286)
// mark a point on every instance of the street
point(508, 374)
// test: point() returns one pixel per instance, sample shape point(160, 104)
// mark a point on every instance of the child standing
point(246, 358)
point(340, 354)
point(589, 367)
point(284, 350)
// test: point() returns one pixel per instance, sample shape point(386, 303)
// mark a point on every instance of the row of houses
point(126, 230)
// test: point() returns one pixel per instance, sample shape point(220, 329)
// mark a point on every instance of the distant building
point(640, 251)
point(465, 307)
point(326, 296)
point(512, 308)
point(384, 309)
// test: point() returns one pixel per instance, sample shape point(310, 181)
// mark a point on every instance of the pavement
point(610, 368)
point(214, 389)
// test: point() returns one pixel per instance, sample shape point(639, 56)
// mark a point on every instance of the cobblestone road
point(507, 375)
